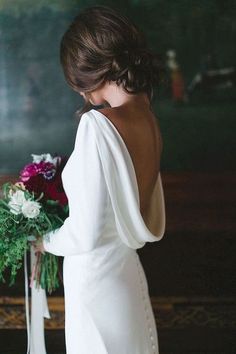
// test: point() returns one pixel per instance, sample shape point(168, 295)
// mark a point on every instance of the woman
point(113, 184)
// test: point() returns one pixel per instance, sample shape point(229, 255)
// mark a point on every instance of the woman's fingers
point(35, 246)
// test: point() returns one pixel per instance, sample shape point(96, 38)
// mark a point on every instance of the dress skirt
point(107, 303)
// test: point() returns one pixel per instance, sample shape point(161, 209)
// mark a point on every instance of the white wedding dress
point(107, 304)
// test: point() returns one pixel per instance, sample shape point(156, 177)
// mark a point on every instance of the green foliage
point(16, 231)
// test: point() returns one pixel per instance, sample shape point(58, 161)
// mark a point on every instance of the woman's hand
point(38, 246)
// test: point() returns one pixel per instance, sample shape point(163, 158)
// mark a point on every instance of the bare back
point(141, 134)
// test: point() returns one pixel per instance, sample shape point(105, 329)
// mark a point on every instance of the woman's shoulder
point(114, 114)
point(119, 117)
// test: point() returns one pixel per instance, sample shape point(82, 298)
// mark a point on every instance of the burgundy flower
point(28, 171)
point(47, 169)
point(45, 177)
point(55, 191)
point(36, 184)
point(55, 188)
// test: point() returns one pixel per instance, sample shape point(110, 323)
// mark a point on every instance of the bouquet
point(35, 205)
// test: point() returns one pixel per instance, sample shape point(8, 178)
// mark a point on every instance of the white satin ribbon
point(39, 310)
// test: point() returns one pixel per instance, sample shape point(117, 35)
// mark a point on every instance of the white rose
point(38, 158)
point(46, 158)
point(17, 199)
point(51, 159)
point(31, 209)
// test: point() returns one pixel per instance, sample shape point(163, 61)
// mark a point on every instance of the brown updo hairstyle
point(102, 45)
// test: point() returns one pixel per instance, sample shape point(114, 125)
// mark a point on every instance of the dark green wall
point(37, 106)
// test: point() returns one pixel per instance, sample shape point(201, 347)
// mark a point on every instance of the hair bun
point(135, 68)
point(132, 56)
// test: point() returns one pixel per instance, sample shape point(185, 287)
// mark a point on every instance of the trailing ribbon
point(39, 310)
point(27, 303)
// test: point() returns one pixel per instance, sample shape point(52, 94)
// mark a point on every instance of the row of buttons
point(146, 306)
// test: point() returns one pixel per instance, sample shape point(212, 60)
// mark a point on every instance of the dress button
point(150, 329)
point(153, 346)
point(151, 337)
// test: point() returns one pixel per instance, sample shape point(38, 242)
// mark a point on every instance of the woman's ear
point(82, 94)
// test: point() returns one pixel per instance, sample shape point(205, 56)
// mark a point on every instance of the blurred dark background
point(191, 271)
point(192, 36)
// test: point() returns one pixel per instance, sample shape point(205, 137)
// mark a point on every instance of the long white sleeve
point(86, 190)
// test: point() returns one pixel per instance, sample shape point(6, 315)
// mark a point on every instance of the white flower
point(46, 158)
point(30, 209)
point(17, 199)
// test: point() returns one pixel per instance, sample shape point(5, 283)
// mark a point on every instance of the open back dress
point(107, 303)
